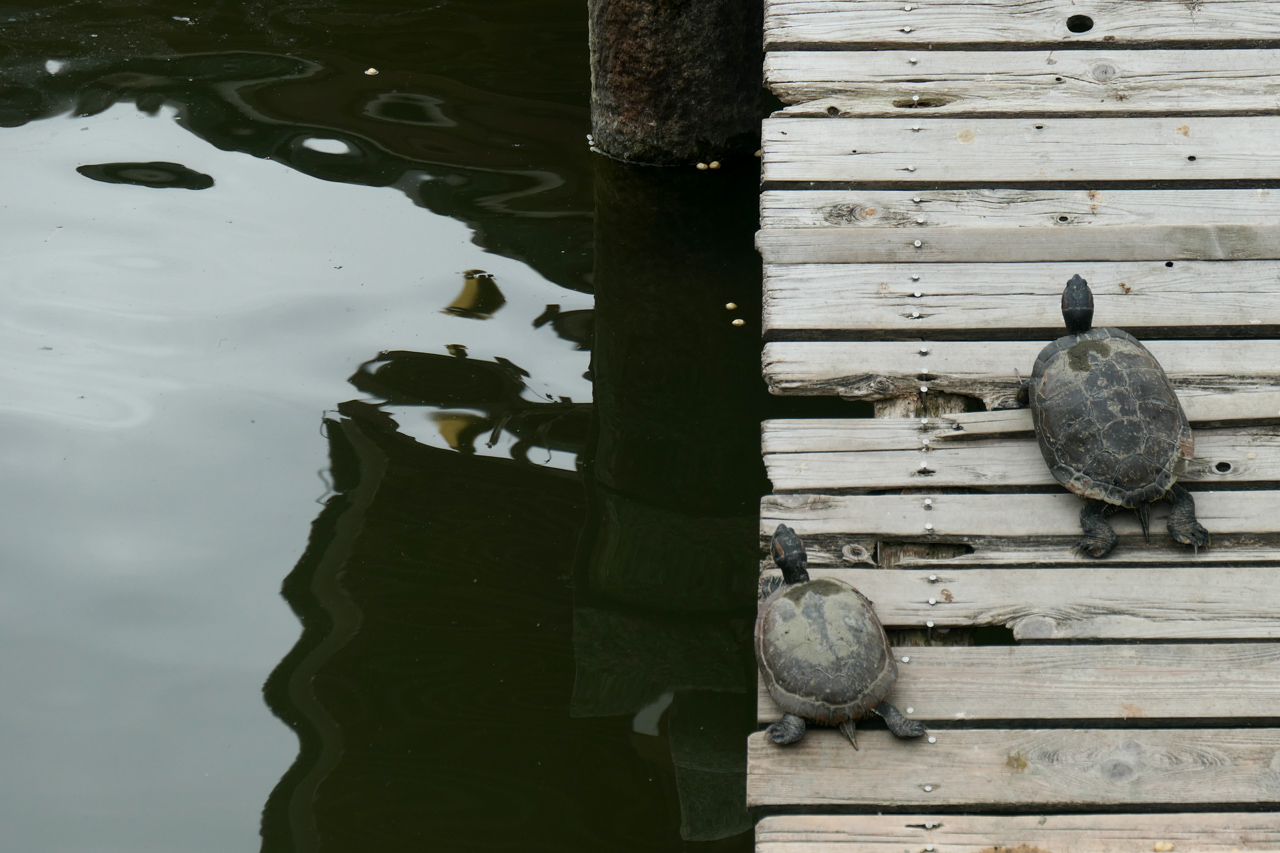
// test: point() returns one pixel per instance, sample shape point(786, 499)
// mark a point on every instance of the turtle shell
point(1108, 422)
point(822, 652)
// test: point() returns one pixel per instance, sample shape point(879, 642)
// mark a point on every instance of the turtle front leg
point(1183, 526)
point(1099, 538)
point(898, 724)
point(787, 730)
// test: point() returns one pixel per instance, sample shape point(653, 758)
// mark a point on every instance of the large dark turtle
point(822, 652)
point(1110, 427)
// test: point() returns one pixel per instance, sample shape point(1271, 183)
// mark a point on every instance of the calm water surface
point(381, 467)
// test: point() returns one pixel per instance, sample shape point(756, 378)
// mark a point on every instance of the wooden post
point(675, 81)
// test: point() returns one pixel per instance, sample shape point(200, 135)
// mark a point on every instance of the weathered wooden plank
point(998, 150)
point(855, 455)
point(1026, 769)
point(1231, 832)
point(1035, 515)
point(1018, 299)
point(1097, 603)
point(1082, 682)
point(1203, 409)
point(798, 435)
point(860, 548)
point(880, 83)
point(877, 370)
point(975, 245)
point(1017, 208)
point(815, 23)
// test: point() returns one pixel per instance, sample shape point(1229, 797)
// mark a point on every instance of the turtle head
point(1077, 306)
point(789, 555)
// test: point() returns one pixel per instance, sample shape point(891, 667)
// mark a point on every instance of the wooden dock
point(941, 169)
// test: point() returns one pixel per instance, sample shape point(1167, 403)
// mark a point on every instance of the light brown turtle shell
point(822, 652)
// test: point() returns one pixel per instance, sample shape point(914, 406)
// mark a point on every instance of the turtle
point(823, 654)
point(1110, 426)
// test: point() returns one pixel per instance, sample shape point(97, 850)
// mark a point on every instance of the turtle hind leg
point(787, 730)
point(898, 724)
point(850, 730)
point(1183, 526)
point(1099, 538)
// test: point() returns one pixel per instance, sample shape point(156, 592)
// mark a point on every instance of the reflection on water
point(524, 613)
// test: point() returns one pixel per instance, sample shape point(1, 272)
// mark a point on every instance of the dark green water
point(399, 346)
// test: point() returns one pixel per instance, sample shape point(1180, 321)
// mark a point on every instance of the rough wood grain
point(1023, 769)
point(975, 245)
point(817, 23)
point(875, 370)
point(1231, 832)
point(850, 455)
point(1047, 514)
point(879, 83)
point(1082, 682)
point(1204, 410)
point(798, 435)
point(1012, 208)
point(1019, 299)
point(902, 552)
point(1172, 602)
point(998, 150)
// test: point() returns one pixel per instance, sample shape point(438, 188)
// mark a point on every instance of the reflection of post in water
point(664, 586)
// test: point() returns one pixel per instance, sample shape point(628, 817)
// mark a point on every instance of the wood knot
point(1117, 770)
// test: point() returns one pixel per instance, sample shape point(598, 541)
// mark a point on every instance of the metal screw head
point(928, 824)
point(906, 659)
point(917, 244)
point(915, 97)
point(916, 199)
point(933, 601)
point(911, 710)
point(928, 526)
point(928, 788)
point(917, 294)
point(911, 168)
point(924, 389)
point(915, 315)
point(916, 128)
point(915, 278)
point(919, 220)
point(924, 421)
point(913, 60)
point(932, 739)
point(929, 502)
point(928, 848)
point(906, 29)
point(928, 624)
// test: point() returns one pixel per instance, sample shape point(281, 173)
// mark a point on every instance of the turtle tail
point(1144, 518)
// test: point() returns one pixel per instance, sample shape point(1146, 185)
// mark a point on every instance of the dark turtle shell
point(822, 652)
point(1108, 422)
